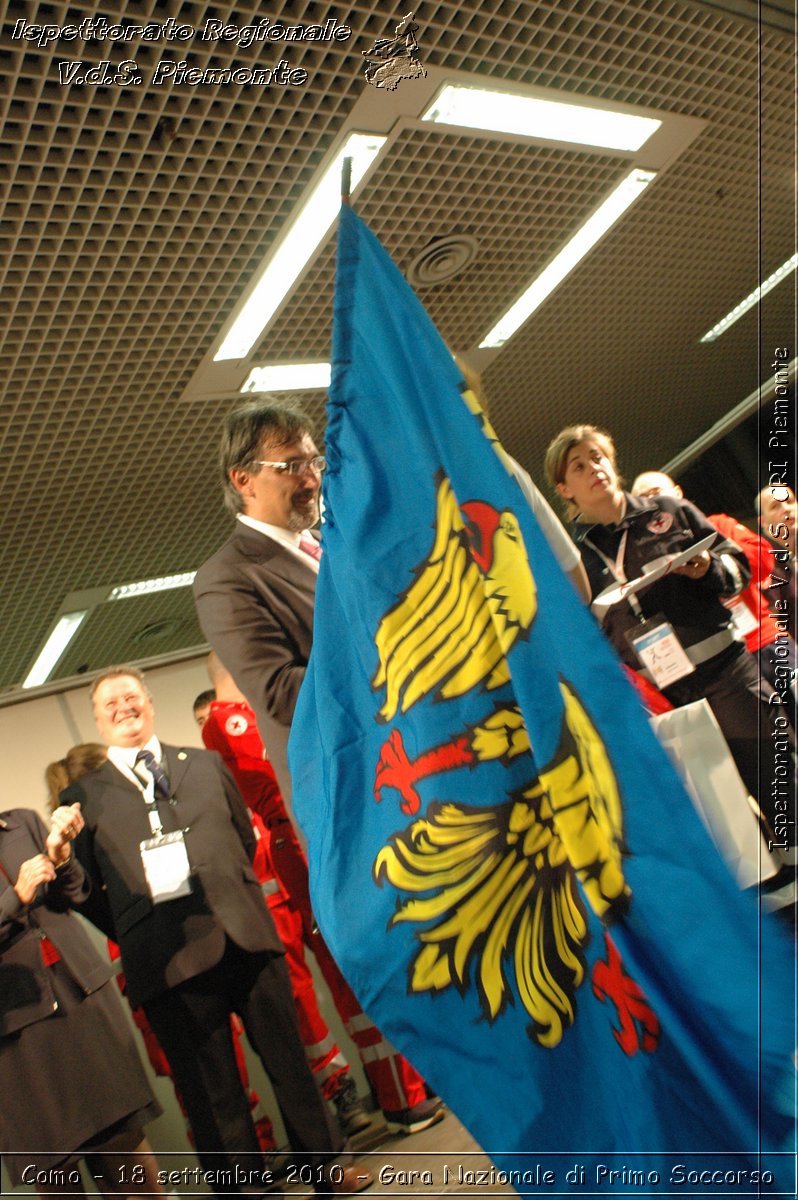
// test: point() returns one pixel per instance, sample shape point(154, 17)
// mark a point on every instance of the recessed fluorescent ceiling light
point(54, 647)
point(572, 252)
point(753, 298)
point(146, 586)
point(501, 112)
point(291, 377)
point(298, 246)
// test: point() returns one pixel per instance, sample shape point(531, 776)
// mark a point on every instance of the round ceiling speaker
point(156, 630)
point(442, 259)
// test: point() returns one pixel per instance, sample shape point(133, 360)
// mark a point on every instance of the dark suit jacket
point(26, 993)
point(255, 605)
point(164, 944)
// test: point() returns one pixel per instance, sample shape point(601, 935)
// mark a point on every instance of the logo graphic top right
point(390, 60)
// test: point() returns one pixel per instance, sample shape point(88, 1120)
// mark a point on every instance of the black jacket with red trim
point(649, 529)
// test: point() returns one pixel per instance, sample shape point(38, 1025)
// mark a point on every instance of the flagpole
point(346, 180)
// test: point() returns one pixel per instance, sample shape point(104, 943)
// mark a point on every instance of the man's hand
point(65, 825)
point(695, 568)
point(32, 873)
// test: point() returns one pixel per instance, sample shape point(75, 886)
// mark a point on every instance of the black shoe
point(352, 1115)
point(413, 1120)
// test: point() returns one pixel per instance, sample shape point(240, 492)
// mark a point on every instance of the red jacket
point(759, 553)
point(231, 731)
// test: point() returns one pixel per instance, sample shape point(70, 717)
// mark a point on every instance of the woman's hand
point(32, 873)
point(65, 825)
point(695, 568)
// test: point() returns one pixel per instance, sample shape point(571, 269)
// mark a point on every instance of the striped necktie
point(159, 776)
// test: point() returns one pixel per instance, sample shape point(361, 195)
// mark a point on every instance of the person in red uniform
point(228, 726)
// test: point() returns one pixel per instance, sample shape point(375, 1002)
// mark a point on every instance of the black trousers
point(759, 735)
point(192, 1023)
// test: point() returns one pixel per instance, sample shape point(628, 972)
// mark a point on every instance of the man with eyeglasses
point(255, 596)
point(255, 600)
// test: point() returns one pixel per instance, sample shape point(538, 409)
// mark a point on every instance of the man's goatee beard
point(298, 522)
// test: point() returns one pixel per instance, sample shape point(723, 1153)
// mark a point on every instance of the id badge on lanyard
point(166, 866)
point(660, 651)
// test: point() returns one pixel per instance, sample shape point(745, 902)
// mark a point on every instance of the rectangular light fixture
point(288, 377)
point(146, 587)
point(751, 299)
point(54, 647)
point(572, 252)
point(503, 112)
point(298, 246)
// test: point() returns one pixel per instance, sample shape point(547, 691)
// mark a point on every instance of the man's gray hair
point(114, 673)
point(246, 429)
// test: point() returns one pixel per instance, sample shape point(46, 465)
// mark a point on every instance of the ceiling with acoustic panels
point(135, 217)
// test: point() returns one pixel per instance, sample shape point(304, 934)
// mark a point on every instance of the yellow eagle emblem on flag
point(470, 600)
point(495, 884)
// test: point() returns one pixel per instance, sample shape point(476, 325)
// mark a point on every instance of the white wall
point(36, 732)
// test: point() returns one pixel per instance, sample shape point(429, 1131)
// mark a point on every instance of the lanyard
point(150, 796)
point(616, 568)
point(614, 565)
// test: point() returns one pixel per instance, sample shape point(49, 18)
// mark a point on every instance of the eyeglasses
point(298, 466)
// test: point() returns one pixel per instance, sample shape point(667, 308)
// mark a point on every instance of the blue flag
point(503, 861)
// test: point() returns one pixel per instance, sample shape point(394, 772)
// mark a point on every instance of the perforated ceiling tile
point(503, 194)
point(133, 218)
point(126, 630)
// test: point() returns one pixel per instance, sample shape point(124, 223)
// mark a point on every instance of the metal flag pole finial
point(346, 180)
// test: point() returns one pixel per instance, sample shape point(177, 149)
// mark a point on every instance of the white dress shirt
point(286, 537)
point(124, 759)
